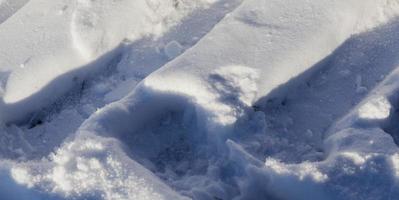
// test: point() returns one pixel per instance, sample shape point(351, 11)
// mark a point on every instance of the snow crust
point(199, 99)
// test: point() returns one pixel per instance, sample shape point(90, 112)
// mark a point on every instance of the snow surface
point(199, 99)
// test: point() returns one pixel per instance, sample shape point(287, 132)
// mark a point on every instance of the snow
point(199, 99)
point(173, 49)
point(71, 40)
point(94, 169)
point(378, 108)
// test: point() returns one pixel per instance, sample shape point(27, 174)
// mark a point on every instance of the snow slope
point(291, 99)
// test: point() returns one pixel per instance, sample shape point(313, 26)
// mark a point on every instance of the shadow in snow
point(300, 111)
point(144, 56)
point(9, 7)
point(136, 59)
point(391, 125)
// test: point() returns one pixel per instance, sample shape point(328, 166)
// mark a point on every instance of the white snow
point(60, 43)
point(87, 165)
point(199, 99)
point(377, 108)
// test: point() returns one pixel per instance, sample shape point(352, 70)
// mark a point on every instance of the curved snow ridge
point(308, 105)
point(98, 26)
point(360, 146)
point(215, 102)
point(286, 37)
point(94, 163)
point(376, 112)
point(221, 94)
point(137, 61)
point(76, 36)
point(21, 110)
point(30, 42)
point(204, 118)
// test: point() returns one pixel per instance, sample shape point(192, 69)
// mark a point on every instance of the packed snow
point(199, 99)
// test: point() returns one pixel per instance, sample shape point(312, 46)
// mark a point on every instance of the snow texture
point(199, 99)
